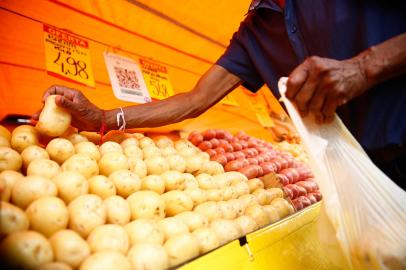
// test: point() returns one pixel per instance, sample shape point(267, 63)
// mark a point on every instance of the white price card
point(126, 78)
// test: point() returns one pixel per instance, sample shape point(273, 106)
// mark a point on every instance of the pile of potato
point(138, 204)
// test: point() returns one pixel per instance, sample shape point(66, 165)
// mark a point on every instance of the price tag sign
point(67, 56)
point(262, 114)
point(229, 100)
point(126, 78)
point(157, 79)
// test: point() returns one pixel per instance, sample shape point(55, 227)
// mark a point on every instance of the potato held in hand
point(53, 120)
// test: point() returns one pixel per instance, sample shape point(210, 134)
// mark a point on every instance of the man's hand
point(320, 85)
point(85, 115)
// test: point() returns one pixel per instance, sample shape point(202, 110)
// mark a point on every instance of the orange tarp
point(185, 36)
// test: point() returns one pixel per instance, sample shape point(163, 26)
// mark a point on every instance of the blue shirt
point(271, 42)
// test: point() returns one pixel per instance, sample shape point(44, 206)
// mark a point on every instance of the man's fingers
point(296, 80)
point(65, 103)
point(58, 90)
point(305, 95)
point(329, 109)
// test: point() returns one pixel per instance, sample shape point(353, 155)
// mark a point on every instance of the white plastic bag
point(366, 209)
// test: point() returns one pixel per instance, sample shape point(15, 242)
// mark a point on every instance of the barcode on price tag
point(126, 78)
point(67, 56)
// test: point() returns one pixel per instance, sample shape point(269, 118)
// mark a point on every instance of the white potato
point(211, 167)
point(126, 182)
point(83, 164)
point(4, 142)
point(164, 142)
point(43, 167)
point(254, 184)
point(210, 210)
point(106, 260)
point(272, 213)
point(167, 151)
point(207, 239)
point(176, 162)
point(145, 142)
point(101, 186)
point(69, 247)
point(183, 143)
point(206, 181)
point(148, 256)
point(190, 181)
point(133, 151)
point(263, 196)
point(26, 250)
point(12, 219)
point(108, 237)
point(172, 226)
point(54, 266)
point(137, 135)
point(8, 178)
point(214, 195)
point(241, 188)
point(53, 120)
point(257, 213)
point(76, 138)
point(30, 188)
point(181, 248)
point(150, 151)
point(60, 149)
point(109, 147)
point(9, 159)
point(156, 165)
point(176, 202)
point(48, 215)
point(138, 166)
point(70, 185)
point(193, 220)
point(33, 152)
point(227, 210)
point(226, 230)
point(222, 180)
point(249, 199)
point(129, 142)
point(86, 212)
point(193, 163)
point(153, 182)
point(111, 162)
point(238, 206)
point(21, 139)
point(117, 210)
point(283, 207)
point(144, 230)
point(197, 195)
point(174, 180)
point(246, 224)
point(4, 132)
point(146, 204)
point(89, 149)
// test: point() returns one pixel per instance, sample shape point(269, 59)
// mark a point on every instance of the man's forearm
point(384, 61)
point(210, 89)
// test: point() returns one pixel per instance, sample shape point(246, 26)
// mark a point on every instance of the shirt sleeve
point(237, 61)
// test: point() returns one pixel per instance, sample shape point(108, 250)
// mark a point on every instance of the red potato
point(209, 134)
point(310, 186)
point(302, 191)
point(236, 146)
point(291, 173)
point(305, 201)
point(268, 167)
point(215, 143)
point(250, 171)
point(282, 179)
point(298, 204)
point(260, 171)
point(211, 152)
point(228, 137)
point(234, 165)
point(196, 139)
point(265, 157)
point(248, 153)
point(192, 134)
point(242, 135)
point(220, 134)
point(280, 162)
point(227, 146)
point(220, 158)
point(262, 149)
point(205, 145)
point(260, 159)
point(229, 156)
point(304, 173)
point(255, 152)
point(288, 192)
point(239, 154)
point(245, 162)
point(317, 195)
point(291, 189)
point(252, 161)
point(312, 198)
point(252, 143)
point(220, 151)
point(244, 144)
